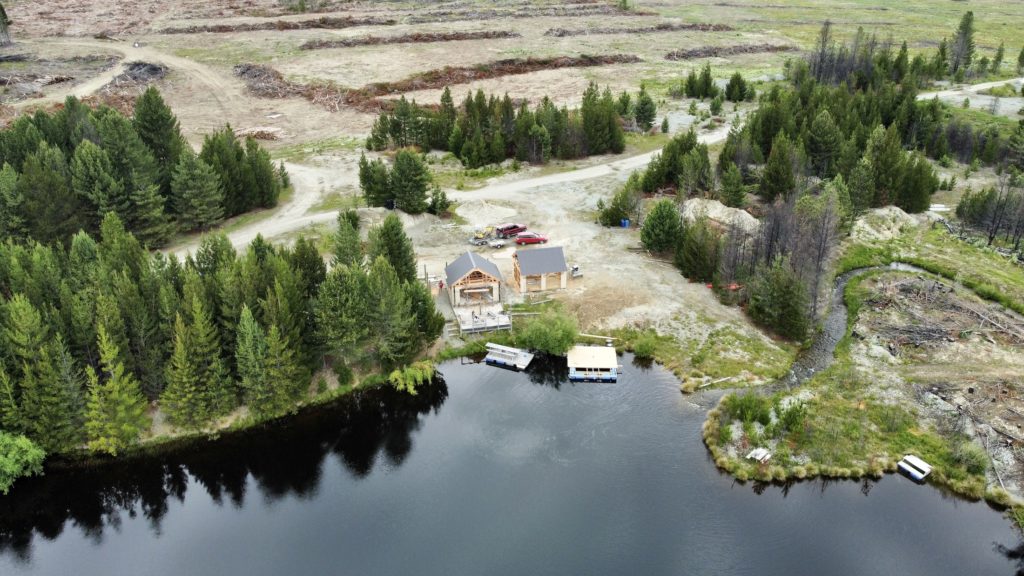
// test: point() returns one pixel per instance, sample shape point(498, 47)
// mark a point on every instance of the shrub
point(552, 333)
point(19, 457)
point(412, 376)
point(645, 346)
point(748, 408)
point(971, 456)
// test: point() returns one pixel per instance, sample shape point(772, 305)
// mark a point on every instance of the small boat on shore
point(914, 467)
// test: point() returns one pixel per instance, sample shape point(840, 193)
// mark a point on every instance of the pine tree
point(902, 63)
point(92, 178)
point(251, 359)
point(12, 225)
point(10, 412)
point(706, 83)
point(51, 399)
point(49, 207)
point(216, 390)
point(733, 192)
point(697, 251)
point(262, 174)
point(645, 110)
point(196, 193)
point(285, 377)
point(181, 397)
point(997, 61)
point(341, 309)
point(824, 144)
point(736, 89)
point(346, 246)
point(116, 410)
point(307, 261)
point(133, 163)
point(917, 184)
point(455, 140)
point(885, 152)
point(662, 228)
point(862, 186)
point(375, 182)
point(158, 129)
point(778, 178)
point(222, 152)
point(393, 335)
point(148, 220)
point(390, 241)
point(962, 50)
point(779, 301)
point(1020, 61)
point(664, 125)
point(410, 180)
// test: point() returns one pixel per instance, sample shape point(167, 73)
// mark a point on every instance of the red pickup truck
point(509, 230)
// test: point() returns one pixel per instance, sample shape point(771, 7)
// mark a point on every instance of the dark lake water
point(489, 472)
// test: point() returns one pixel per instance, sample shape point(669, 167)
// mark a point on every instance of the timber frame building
point(472, 279)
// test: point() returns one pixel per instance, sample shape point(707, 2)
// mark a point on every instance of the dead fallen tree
point(664, 27)
point(324, 22)
point(269, 83)
point(408, 39)
point(717, 51)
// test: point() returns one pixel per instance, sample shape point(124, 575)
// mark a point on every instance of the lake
point(487, 472)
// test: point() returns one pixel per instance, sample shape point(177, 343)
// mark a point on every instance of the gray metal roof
point(541, 261)
point(467, 263)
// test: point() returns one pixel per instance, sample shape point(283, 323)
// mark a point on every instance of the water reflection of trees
point(283, 459)
point(548, 371)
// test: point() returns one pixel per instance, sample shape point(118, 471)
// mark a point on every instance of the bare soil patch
point(718, 51)
point(409, 39)
point(24, 76)
point(664, 27)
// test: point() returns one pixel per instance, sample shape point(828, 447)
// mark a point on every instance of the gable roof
point(466, 263)
point(541, 261)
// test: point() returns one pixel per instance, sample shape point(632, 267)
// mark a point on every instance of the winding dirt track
point(227, 92)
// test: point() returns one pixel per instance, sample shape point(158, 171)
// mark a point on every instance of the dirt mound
point(569, 10)
point(266, 82)
point(324, 22)
point(138, 73)
point(718, 51)
point(665, 27)
point(882, 224)
point(720, 213)
point(408, 39)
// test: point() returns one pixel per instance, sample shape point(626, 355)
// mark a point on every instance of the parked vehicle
point(496, 243)
point(478, 241)
point(575, 271)
point(531, 238)
point(509, 230)
point(484, 233)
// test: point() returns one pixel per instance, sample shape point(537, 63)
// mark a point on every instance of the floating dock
point(914, 467)
point(507, 357)
point(593, 364)
point(477, 319)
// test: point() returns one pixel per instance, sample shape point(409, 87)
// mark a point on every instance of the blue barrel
point(625, 222)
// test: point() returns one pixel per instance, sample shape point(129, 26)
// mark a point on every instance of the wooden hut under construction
point(534, 266)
